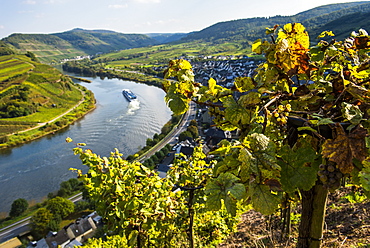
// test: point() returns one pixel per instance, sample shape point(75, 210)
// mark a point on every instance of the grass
point(7, 129)
point(161, 54)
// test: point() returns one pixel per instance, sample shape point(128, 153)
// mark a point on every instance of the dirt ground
point(346, 225)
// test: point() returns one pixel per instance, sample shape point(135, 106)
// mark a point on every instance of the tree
point(193, 123)
point(60, 206)
point(66, 188)
point(184, 135)
point(193, 130)
point(18, 207)
point(40, 221)
point(301, 101)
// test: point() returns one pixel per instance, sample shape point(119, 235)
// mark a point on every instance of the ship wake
point(133, 106)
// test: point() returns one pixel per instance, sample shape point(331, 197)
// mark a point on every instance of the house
point(60, 238)
point(205, 117)
point(81, 229)
point(11, 243)
point(71, 235)
point(215, 135)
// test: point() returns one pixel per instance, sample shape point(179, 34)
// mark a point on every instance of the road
point(23, 226)
point(172, 137)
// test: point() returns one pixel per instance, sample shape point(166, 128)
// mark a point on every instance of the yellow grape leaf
point(292, 48)
point(256, 46)
point(325, 33)
point(184, 64)
point(211, 84)
point(338, 150)
point(295, 33)
point(357, 142)
point(259, 47)
point(343, 148)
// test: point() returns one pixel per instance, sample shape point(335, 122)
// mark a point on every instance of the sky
point(138, 16)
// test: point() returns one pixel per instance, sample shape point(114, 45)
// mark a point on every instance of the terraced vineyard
point(11, 67)
point(32, 94)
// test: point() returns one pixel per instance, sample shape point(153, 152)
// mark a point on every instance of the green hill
point(97, 41)
point(344, 25)
point(32, 93)
point(235, 37)
point(77, 42)
point(230, 37)
point(253, 28)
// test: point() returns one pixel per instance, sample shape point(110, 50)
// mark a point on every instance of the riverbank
point(80, 79)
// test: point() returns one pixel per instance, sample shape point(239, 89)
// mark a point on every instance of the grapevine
point(304, 106)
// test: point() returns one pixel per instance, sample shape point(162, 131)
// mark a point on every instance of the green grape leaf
point(177, 103)
point(227, 189)
point(364, 176)
point(236, 114)
point(263, 150)
point(317, 54)
point(263, 200)
point(306, 129)
point(229, 163)
point(297, 170)
point(247, 159)
point(244, 84)
point(252, 98)
point(324, 121)
point(132, 238)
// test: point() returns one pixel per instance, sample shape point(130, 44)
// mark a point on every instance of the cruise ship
point(129, 95)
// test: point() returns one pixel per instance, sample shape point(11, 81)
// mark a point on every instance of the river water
point(32, 170)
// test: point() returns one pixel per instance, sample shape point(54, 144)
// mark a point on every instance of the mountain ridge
point(80, 42)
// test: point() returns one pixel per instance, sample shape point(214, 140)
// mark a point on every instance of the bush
point(19, 206)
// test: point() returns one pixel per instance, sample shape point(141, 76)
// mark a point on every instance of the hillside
point(77, 42)
point(253, 28)
point(95, 41)
point(162, 38)
point(31, 93)
point(344, 25)
point(235, 37)
point(230, 37)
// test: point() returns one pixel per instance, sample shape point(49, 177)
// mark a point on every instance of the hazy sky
point(138, 16)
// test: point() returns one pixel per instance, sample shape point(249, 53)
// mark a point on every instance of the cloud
point(147, 1)
point(117, 6)
point(29, 2)
point(54, 1)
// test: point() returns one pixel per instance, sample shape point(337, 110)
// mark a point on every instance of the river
point(32, 170)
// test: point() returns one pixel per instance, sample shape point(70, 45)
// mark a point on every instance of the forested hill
point(96, 41)
point(252, 28)
point(76, 42)
point(342, 19)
